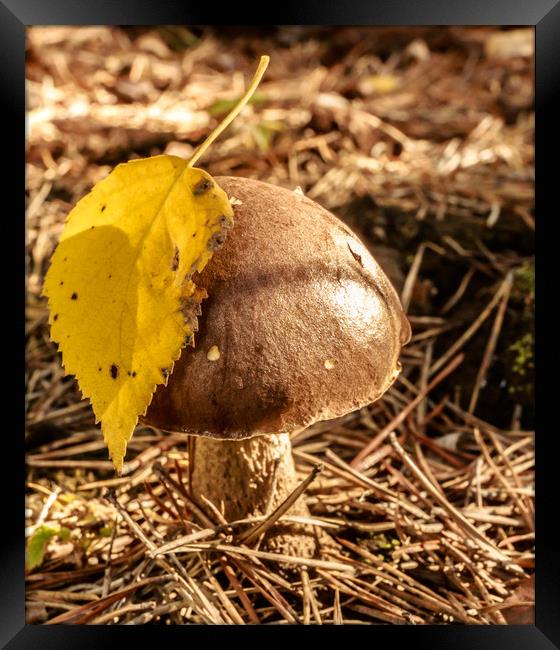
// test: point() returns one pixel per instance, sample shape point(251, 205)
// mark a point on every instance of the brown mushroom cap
point(301, 324)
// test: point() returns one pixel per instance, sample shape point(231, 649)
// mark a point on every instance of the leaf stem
point(201, 149)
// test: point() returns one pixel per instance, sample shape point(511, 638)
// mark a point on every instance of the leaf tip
point(118, 463)
point(117, 450)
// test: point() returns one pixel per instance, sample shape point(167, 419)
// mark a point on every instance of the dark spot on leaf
point(65, 259)
point(103, 207)
point(114, 370)
point(202, 186)
point(175, 261)
point(74, 296)
point(99, 369)
point(128, 373)
point(55, 317)
point(216, 241)
point(110, 276)
point(133, 373)
point(92, 227)
point(357, 257)
point(61, 282)
point(194, 234)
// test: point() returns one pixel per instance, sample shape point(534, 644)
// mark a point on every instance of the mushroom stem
point(252, 477)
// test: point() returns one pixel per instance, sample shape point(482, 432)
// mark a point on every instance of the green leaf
point(37, 544)
point(222, 106)
point(263, 134)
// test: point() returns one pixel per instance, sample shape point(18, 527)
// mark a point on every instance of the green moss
point(525, 277)
point(523, 359)
point(383, 542)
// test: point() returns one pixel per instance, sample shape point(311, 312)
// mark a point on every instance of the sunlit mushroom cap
point(301, 324)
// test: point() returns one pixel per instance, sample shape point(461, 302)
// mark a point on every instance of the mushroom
point(300, 325)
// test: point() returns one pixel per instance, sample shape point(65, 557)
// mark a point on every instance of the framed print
point(280, 335)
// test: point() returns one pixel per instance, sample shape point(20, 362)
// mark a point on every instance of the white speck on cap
point(213, 353)
point(330, 364)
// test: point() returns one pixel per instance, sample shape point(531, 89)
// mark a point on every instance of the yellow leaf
point(119, 284)
point(379, 83)
point(122, 302)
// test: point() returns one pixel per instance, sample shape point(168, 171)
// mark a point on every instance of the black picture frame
point(544, 15)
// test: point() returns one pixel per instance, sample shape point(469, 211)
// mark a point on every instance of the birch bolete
point(300, 325)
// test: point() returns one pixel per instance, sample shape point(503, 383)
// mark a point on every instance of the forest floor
point(422, 141)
